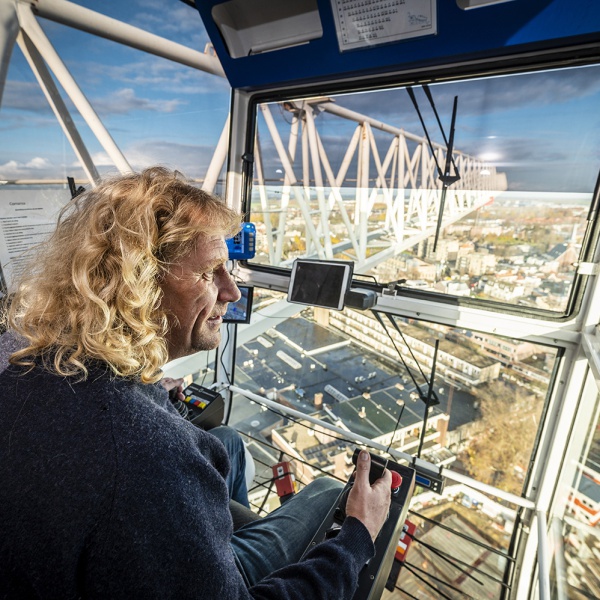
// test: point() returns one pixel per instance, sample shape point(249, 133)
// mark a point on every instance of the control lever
point(374, 574)
point(376, 472)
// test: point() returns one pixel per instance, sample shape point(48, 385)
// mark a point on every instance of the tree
point(501, 452)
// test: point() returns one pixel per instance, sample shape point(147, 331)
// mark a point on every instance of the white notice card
point(362, 23)
point(27, 217)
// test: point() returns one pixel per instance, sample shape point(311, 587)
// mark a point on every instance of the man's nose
point(229, 291)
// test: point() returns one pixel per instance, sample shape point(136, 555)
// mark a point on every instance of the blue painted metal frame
point(488, 32)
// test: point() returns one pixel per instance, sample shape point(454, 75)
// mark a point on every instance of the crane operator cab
point(417, 265)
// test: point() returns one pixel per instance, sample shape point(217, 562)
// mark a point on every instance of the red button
point(396, 480)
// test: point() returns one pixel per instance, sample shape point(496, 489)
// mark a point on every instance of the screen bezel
point(246, 301)
point(346, 268)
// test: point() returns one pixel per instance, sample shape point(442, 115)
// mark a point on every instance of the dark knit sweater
point(106, 492)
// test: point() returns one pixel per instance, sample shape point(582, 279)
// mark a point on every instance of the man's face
point(196, 291)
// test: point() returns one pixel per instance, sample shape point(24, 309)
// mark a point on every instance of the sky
point(542, 129)
point(156, 110)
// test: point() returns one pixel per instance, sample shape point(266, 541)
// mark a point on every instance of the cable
point(411, 95)
point(446, 558)
point(285, 416)
point(221, 357)
point(368, 276)
point(395, 325)
point(229, 379)
point(428, 401)
point(380, 320)
point(435, 112)
point(438, 579)
point(409, 567)
point(262, 483)
point(405, 592)
point(205, 369)
point(463, 536)
point(452, 559)
point(295, 458)
point(270, 488)
point(387, 450)
point(444, 176)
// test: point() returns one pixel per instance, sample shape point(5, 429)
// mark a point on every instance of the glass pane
point(157, 112)
point(344, 369)
point(353, 176)
point(574, 530)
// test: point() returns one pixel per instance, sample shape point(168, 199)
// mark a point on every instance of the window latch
point(588, 268)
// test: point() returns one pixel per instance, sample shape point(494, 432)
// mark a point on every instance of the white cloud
point(36, 168)
point(192, 160)
point(11, 165)
point(38, 163)
point(101, 159)
point(24, 95)
point(182, 19)
point(126, 100)
point(155, 73)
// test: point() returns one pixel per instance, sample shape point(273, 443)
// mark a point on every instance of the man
point(106, 491)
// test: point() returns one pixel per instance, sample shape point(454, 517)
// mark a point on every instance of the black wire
point(205, 369)
point(428, 401)
point(446, 558)
point(387, 450)
point(411, 95)
point(221, 357)
point(447, 179)
point(380, 320)
point(409, 567)
point(405, 592)
point(583, 592)
point(439, 580)
point(229, 380)
point(463, 536)
point(260, 484)
point(311, 427)
point(368, 276)
point(435, 112)
point(263, 484)
point(397, 328)
point(257, 507)
point(303, 462)
point(451, 559)
point(270, 486)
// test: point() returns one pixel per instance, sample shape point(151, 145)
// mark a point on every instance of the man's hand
point(370, 504)
point(174, 387)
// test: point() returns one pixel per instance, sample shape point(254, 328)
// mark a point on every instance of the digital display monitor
point(320, 283)
point(240, 311)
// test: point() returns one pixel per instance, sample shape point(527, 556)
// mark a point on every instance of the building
point(505, 350)
point(375, 417)
point(458, 363)
point(586, 498)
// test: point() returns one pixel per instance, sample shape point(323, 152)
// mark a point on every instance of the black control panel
point(202, 406)
point(374, 575)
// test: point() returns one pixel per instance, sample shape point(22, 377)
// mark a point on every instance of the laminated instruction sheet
point(27, 217)
point(363, 23)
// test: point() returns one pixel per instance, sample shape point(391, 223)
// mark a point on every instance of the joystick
point(374, 574)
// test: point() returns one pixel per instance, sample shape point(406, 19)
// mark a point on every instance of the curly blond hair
point(92, 290)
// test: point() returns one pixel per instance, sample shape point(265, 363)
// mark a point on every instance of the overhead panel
point(250, 28)
point(267, 43)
